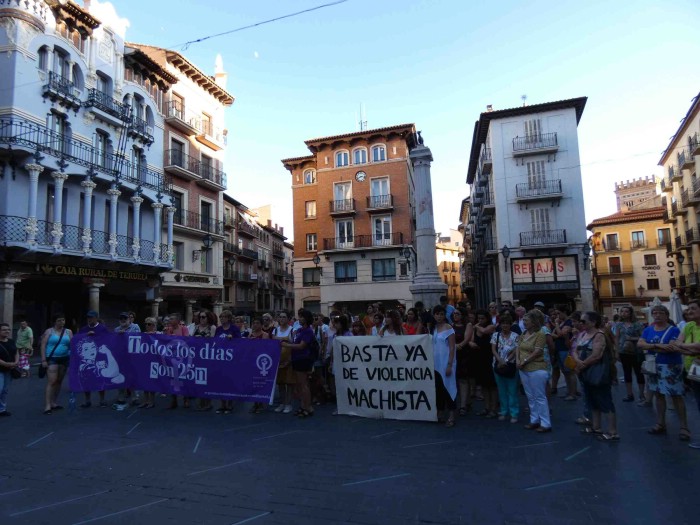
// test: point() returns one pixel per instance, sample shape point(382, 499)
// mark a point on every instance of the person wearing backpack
point(304, 352)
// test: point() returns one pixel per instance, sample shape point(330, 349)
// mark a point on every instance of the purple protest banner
point(240, 369)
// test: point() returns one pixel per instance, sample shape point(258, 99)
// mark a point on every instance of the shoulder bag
point(649, 363)
point(42, 368)
point(694, 371)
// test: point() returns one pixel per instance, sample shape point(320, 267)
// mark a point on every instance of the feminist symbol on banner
point(264, 363)
point(176, 381)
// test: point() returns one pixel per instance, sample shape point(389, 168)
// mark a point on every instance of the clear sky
point(438, 64)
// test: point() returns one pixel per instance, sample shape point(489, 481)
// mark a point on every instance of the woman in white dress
point(444, 358)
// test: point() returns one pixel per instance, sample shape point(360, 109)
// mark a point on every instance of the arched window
point(342, 158)
point(43, 55)
point(359, 156)
point(77, 77)
point(378, 153)
point(309, 176)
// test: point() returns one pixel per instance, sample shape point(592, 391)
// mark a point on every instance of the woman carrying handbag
point(503, 346)
point(55, 341)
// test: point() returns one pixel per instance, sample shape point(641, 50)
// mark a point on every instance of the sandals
point(462, 412)
point(608, 437)
point(628, 399)
point(570, 398)
point(657, 430)
point(684, 434)
point(583, 420)
point(592, 431)
point(304, 414)
point(47, 412)
point(450, 422)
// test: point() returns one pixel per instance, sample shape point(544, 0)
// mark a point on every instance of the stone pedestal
point(155, 307)
point(94, 295)
point(427, 285)
point(7, 298)
point(188, 312)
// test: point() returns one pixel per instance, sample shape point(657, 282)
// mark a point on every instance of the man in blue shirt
point(448, 308)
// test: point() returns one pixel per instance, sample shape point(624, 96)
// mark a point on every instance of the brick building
point(354, 219)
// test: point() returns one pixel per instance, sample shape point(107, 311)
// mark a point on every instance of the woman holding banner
point(302, 361)
point(173, 327)
point(205, 328)
point(444, 358)
point(285, 375)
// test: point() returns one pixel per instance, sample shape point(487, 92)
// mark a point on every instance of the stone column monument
point(427, 285)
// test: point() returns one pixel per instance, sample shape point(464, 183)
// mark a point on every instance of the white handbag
point(694, 372)
point(649, 365)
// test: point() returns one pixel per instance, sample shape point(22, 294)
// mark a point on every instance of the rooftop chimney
point(220, 76)
point(489, 108)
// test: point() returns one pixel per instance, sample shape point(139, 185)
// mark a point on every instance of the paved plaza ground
point(158, 466)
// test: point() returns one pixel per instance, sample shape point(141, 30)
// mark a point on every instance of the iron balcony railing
point(535, 141)
point(176, 157)
point(207, 129)
point(197, 221)
point(636, 244)
point(380, 201)
point(674, 172)
point(694, 143)
point(489, 244)
point(39, 138)
point(244, 227)
point(363, 241)
point(685, 159)
point(691, 235)
point(674, 208)
point(14, 230)
point(537, 238)
point(485, 156)
point(685, 198)
point(140, 127)
point(488, 199)
point(231, 247)
point(108, 104)
point(63, 86)
point(678, 243)
point(250, 254)
point(538, 188)
point(342, 205)
point(176, 109)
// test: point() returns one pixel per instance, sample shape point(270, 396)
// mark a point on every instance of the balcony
point(638, 244)
point(666, 185)
point(61, 90)
point(249, 254)
point(229, 221)
point(140, 129)
point(536, 144)
point(667, 217)
point(674, 173)
point(230, 274)
point(245, 277)
point(694, 193)
point(363, 241)
point(614, 271)
point(179, 163)
point(108, 109)
point(230, 247)
point(693, 279)
point(488, 203)
point(678, 243)
point(247, 229)
point(674, 209)
point(612, 245)
point(617, 295)
point(663, 242)
point(686, 161)
point(694, 144)
point(33, 137)
point(380, 203)
point(542, 238)
point(212, 178)
point(196, 221)
point(692, 236)
point(490, 245)
point(13, 231)
point(540, 190)
point(685, 200)
point(177, 117)
point(210, 136)
point(342, 207)
point(485, 160)
point(277, 252)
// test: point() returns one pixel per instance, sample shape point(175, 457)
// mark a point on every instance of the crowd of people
point(486, 355)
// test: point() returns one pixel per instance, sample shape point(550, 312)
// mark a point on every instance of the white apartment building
point(526, 218)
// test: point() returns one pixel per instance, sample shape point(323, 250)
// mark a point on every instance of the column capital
point(59, 176)
point(88, 185)
point(96, 283)
point(34, 169)
point(157, 205)
point(137, 200)
point(114, 193)
point(171, 209)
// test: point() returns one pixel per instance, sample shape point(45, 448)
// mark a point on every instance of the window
point(380, 196)
point(179, 215)
point(664, 237)
point(206, 261)
point(101, 149)
point(341, 159)
point(614, 265)
point(309, 177)
point(653, 284)
point(539, 219)
point(310, 210)
point(383, 270)
point(650, 259)
point(616, 289)
point(103, 84)
point(344, 237)
point(311, 242)
point(535, 174)
point(206, 216)
point(311, 276)
point(345, 272)
point(138, 164)
point(206, 125)
point(378, 153)
point(206, 167)
point(611, 242)
point(60, 132)
point(638, 240)
point(342, 194)
point(359, 156)
point(533, 130)
point(44, 58)
point(382, 230)
point(178, 255)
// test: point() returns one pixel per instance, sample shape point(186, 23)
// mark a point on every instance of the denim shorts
point(61, 361)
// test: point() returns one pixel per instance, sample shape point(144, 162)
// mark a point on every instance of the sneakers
point(280, 408)
point(694, 444)
point(287, 409)
point(514, 420)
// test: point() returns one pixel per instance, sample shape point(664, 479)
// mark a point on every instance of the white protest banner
point(388, 377)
